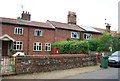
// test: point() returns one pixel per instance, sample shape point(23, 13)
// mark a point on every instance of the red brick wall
point(95, 36)
point(9, 29)
point(48, 37)
point(63, 35)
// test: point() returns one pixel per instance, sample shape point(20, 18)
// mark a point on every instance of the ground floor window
point(47, 47)
point(17, 45)
point(37, 46)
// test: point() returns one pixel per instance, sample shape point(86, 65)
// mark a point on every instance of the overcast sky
point(89, 12)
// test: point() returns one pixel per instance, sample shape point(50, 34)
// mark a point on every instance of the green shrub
point(94, 44)
point(71, 47)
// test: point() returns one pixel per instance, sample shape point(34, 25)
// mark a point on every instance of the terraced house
point(31, 37)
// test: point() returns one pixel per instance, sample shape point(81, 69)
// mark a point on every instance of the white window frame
point(37, 46)
point(87, 38)
point(18, 44)
point(48, 47)
point(77, 35)
point(36, 31)
point(17, 31)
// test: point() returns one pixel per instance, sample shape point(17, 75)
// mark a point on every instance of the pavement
point(57, 74)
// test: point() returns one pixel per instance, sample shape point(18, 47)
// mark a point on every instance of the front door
point(4, 48)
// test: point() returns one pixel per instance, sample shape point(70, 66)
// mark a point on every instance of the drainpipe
point(28, 41)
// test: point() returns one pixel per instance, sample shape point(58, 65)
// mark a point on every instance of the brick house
point(26, 36)
point(31, 37)
point(73, 31)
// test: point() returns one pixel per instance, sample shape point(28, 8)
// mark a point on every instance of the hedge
point(71, 47)
point(94, 44)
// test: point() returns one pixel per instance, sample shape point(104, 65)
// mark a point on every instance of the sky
point(89, 12)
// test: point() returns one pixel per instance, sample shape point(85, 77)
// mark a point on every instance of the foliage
point(109, 40)
point(11, 50)
point(71, 47)
point(93, 44)
point(102, 44)
point(115, 44)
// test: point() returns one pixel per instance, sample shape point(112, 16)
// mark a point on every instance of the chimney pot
point(108, 27)
point(26, 16)
point(26, 12)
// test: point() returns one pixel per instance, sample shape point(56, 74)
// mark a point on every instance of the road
point(85, 74)
point(110, 73)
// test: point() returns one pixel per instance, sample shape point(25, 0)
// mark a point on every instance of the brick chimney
point(71, 17)
point(108, 27)
point(26, 16)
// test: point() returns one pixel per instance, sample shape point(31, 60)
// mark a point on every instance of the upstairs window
point(18, 31)
point(37, 46)
point(47, 47)
point(38, 32)
point(17, 45)
point(87, 36)
point(75, 35)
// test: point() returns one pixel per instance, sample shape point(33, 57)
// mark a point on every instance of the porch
point(6, 45)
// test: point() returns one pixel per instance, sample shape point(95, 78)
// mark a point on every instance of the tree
point(108, 40)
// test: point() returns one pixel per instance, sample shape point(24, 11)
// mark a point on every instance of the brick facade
point(63, 35)
point(49, 36)
point(28, 37)
point(52, 31)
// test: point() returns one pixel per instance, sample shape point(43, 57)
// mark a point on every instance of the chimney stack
point(71, 17)
point(26, 16)
point(108, 27)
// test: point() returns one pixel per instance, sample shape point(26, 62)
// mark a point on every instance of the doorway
point(4, 48)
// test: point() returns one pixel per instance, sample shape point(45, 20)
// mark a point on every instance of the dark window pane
point(17, 47)
point(20, 42)
point(34, 47)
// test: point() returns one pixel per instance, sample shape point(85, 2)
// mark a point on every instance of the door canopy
point(6, 38)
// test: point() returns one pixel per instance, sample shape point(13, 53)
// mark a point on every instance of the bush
point(94, 44)
point(71, 47)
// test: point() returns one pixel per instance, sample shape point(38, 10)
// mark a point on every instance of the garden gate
point(7, 65)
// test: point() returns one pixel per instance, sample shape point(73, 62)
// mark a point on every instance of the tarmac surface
point(57, 74)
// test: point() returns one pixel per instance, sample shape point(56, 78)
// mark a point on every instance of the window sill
point(36, 51)
point(38, 36)
point(18, 50)
point(75, 38)
point(47, 50)
point(19, 34)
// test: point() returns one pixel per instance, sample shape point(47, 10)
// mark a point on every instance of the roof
point(102, 30)
point(52, 25)
point(90, 29)
point(66, 26)
point(25, 22)
point(6, 38)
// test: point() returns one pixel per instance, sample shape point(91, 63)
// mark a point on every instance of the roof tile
point(66, 26)
point(25, 22)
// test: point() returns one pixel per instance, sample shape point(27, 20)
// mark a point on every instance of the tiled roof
point(66, 26)
point(25, 22)
point(48, 25)
point(102, 30)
